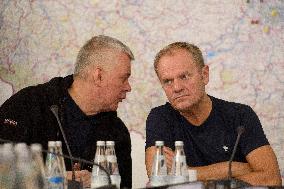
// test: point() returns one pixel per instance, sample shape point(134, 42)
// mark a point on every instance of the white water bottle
point(99, 176)
point(7, 166)
point(58, 145)
point(54, 174)
point(112, 166)
point(26, 173)
point(159, 167)
point(38, 164)
point(179, 167)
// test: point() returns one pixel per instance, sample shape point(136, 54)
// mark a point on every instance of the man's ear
point(97, 76)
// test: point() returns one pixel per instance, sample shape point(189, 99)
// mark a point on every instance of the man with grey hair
point(208, 126)
point(86, 104)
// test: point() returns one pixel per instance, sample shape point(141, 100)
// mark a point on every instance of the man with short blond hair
point(206, 125)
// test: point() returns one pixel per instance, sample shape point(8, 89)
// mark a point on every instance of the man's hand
point(149, 158)
point(83, 176)
point(169, 155)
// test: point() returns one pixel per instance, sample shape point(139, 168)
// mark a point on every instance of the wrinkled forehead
point(176, 62)
point(177, 55)
point(171, 52)
point(174, 56)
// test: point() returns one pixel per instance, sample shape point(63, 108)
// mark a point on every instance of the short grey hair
point(92, 52)
point(192, 49)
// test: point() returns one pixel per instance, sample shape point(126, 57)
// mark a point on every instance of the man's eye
point(184, 77)
point(167, 82)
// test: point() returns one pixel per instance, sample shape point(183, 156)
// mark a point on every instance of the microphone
point(72, 184)
point(240, 131)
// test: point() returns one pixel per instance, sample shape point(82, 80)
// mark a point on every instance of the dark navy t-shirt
point(211, 142)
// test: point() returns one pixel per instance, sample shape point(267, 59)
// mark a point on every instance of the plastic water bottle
point(99, 177)
point(54, 175)
point(159, 167)
point(61, 162)
point(26, 174)
point(7, 166)
point(38, 164)
point(112, 165)
point(179, 167)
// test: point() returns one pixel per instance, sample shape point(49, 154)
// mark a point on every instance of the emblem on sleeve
point(10, 122)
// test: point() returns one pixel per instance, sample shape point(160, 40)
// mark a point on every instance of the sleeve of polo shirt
point(157, 128)
point(15, 117)
point(253, 136)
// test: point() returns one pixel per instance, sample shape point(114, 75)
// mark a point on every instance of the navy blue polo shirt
point(211, 142)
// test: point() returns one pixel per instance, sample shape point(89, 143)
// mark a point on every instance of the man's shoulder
point(59, 82)
point(163, 112)
point(22, 98)
point(56, 86)
point(39, 92)
point(164, 109)
point(225, 106)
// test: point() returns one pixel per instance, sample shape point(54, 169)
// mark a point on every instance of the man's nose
point(127, 87)
point(177, 86)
